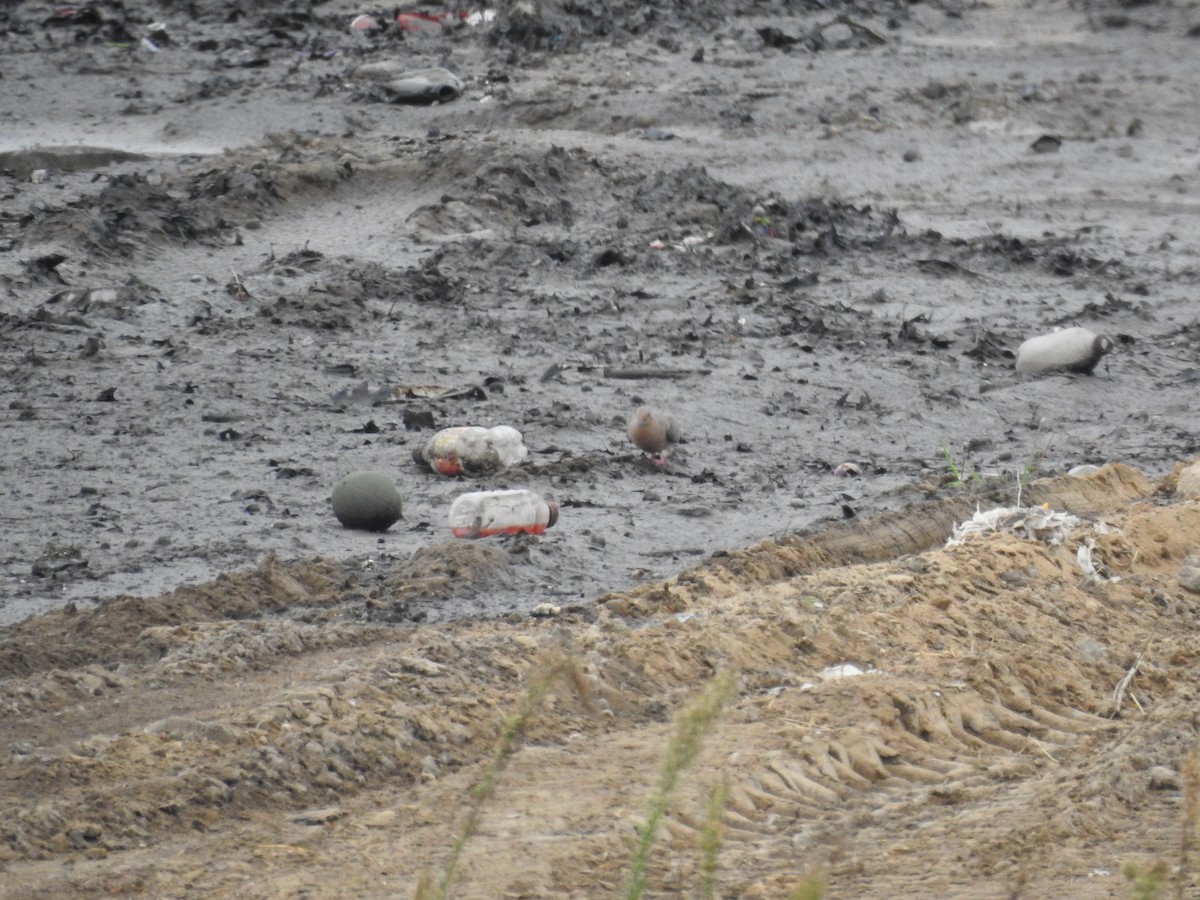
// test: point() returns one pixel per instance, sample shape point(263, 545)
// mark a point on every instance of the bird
point(653, 432)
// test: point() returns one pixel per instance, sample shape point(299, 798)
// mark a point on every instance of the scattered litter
point(420, 23)
point(1068, 349)
point(472, 449)
point(1039, 524)
point(1095, 572)
point(480, 514)
point(545, 611)
point(436, 23)
point(687, 244)
point(424, 86)
point(761, 224)
point(396, 84)
point(365, 23)
point(841, 670)
point(847, 470)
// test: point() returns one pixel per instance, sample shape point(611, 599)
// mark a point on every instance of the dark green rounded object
point(366, 500)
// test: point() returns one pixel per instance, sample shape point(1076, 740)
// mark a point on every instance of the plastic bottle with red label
point(472, 450)
point(485, 513)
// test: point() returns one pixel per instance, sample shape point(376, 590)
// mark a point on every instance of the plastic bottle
point(483, 513)
point(472, 450)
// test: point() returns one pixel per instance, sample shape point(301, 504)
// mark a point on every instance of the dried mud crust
point(983, 751)
point(198, 345)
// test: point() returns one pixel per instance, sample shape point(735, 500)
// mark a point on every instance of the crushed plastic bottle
point(483, 513)
point(472, 450)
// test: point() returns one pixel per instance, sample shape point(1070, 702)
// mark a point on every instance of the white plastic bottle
point(482, 513)
point(1071, 349)
point(472, 450)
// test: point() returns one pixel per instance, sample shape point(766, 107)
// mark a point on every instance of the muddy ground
point(233, 270)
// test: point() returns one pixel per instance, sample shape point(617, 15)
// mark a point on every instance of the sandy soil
point(232, 271)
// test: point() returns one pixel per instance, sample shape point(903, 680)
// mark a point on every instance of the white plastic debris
point(1035, 524)
point(1095, 572)
point(1070, 349)
point(841, 670)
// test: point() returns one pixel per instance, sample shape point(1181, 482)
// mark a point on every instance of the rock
point(1188, 484)
point(183, 728)
point(317, 816)
point(1189, 574)
point(366, 500)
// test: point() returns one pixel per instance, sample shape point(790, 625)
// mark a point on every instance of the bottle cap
point(553, 507)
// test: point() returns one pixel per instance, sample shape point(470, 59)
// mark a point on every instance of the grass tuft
point(1190, 772)
point(692, 723)
point(513, 726)
point(811, 887)
point(712, 836)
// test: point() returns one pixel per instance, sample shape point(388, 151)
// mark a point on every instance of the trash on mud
point(436, 23)
point(761, 224)
point(421, 23)
point(1071, 350)
point(691, 242)
point(1095, 571)
point(365, 24)
point(472, 450)
point(837, 672)
point(366, 500)
point(485, 513)
point(417, 86)
point(1039, 524)
point(841, 670)
point(848, 470)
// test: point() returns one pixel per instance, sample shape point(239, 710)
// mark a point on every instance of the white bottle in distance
point(472, 450)
point(483, 513)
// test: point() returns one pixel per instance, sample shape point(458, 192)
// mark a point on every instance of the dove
point(653, 431)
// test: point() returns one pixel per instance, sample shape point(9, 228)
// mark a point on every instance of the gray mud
point(230, 273)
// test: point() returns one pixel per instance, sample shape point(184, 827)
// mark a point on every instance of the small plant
point(711, 838)
point(811, 887)
point(511, 729)
point(957, 480)
point(692, 723)
point(1146, 882)
point(1190, 770)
